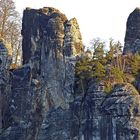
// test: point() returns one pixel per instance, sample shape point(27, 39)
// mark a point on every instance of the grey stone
point(132, 36)
point(39, 99)
point(112, 117)
point(43, 48)
point(73, 44)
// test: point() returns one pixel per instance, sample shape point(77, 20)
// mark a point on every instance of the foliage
point(98, 47)
point(83, 68)
point(108, 89)
point(98, 70)
point(135, 64)
point(117, 75)
point(111, 67)
point(10, 26)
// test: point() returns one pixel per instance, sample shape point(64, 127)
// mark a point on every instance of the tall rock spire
point(73, 40)
point(132, 37)
point(48, 37)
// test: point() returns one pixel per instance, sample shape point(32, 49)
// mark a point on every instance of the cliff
point(39, 99)
point(132, 36)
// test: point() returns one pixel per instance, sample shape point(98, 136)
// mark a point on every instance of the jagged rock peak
point(41, 24)
point(138, 9)
point(49, 10)
point(132, 37)
point(44, 33)
point(51, 25)
point(73, 39)
point(45, 10)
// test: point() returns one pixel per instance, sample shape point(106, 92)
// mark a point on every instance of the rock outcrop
point(5, 86)
point(96, 117)
point(46, 79)
point(132, 37)
point(47, 44)
point(41, 102)
point(73, 41)
point(44, 46)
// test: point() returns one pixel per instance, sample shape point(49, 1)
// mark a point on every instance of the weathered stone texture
point(41, 102)
point(46, 79)
point(132, 36)
point(73, 40)
point(5, 86)
point(43, 47)
point(96, 117)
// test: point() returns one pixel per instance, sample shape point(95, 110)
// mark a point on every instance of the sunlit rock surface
point(43, 47)
point(96, 117)
point(73, 40)
point(46, 79)
point(40, 102)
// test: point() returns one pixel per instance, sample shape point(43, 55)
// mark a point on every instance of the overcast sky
point(97, 18)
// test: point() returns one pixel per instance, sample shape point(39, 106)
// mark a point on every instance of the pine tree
point(135, 64)
point(98, 50)
point(98, 70)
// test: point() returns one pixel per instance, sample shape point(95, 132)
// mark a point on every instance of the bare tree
point(10, 26)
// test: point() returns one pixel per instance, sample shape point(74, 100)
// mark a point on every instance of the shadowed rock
point(46, 79)
point(132, 36)
point(40, 100)
point(45, 32)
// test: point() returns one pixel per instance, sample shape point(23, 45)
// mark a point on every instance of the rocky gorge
point(38, 100)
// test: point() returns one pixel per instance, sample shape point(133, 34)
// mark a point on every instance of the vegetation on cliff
point(108, 67)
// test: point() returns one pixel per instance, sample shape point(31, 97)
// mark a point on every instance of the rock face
point(47, 77)
point(5, 85)
point(96, 117)
point(5, 58)
point(73, 41)
point(132, 37)
point(44, 45)
point(41, 102)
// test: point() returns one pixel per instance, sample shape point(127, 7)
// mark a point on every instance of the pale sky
point(96, 18)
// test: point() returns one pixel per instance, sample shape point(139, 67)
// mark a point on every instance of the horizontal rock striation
point(38, 100)
point(96, 117)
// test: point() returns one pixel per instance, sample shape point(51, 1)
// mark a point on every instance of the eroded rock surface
point(46, 79)
point(96, 117)
point(41, 102)
point(5, 86)
point(73, 40)
point(43, 48)
point(132, 37)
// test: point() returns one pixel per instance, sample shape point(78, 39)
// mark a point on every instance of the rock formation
point(44, 46)
point(5, 85)
point(96, 117)
point(132, 37)
point(40, 97)
point(46, 79)
point(73, 40)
